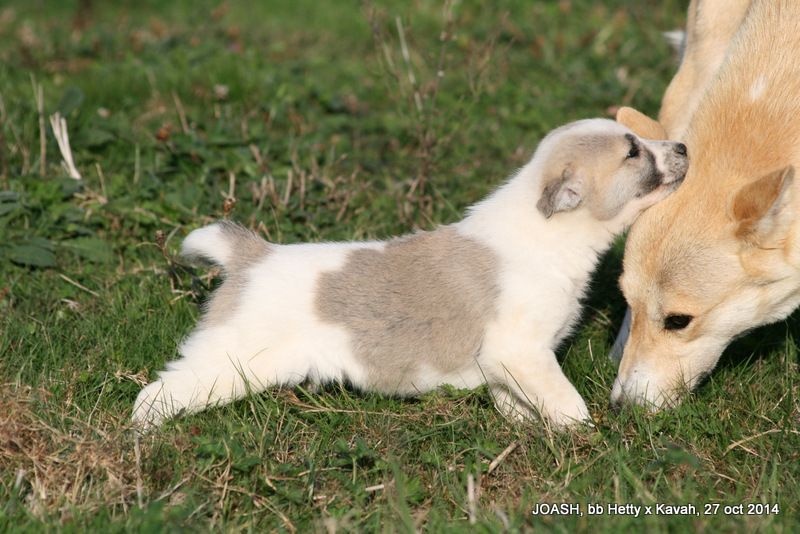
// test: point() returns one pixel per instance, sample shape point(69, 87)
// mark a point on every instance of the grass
point(313, 121)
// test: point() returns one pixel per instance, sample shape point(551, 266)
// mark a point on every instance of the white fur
point(677, 40)
point(274, 336)
point(541, 287)
point(208, 242)
point(758, 88)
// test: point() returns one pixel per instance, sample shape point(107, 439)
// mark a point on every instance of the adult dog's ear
point(562, 192)
point(640, 124)
point(763, 210)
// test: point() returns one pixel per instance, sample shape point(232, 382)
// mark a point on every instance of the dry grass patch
point(63, 463)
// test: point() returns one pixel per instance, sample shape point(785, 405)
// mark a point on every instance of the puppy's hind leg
point(208, 375)
point(187, 389)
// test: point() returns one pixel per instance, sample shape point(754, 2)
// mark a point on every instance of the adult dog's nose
point(680, 148)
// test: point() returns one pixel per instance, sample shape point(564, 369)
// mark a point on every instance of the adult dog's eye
point(677, 322)
point(633, 152)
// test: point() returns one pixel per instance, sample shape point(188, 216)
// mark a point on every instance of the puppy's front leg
point(537, 382)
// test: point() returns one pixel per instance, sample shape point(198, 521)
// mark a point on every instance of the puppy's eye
point(633, 152)
point(677, 322)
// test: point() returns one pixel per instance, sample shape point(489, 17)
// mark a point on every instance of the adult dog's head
point(715, 259)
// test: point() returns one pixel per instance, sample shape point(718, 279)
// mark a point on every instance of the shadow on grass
point(762, 342)
point(603, 304)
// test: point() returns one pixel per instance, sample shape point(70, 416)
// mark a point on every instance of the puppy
point(485, 300)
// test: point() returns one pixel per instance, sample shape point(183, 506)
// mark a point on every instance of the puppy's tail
point(224, 243)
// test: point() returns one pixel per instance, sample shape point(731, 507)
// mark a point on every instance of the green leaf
point(246, 464)
point(8, 207)
point(98, 137)
point(214, 450)
point(32, 255)
point(70, 100)
point(70, 186)
point(9, 196)
point(90, 248)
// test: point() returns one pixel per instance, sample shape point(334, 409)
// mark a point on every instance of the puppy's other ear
point(640, 124)
point(763, 209)
point(561, 193)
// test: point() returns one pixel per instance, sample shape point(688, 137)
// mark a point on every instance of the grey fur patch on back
point(423, 301)
point(249, 249)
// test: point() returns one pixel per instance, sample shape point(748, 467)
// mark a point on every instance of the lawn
point(312, 121)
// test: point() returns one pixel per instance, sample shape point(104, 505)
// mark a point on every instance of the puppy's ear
point(763, 209)
point(640, 124)
point(562, 192)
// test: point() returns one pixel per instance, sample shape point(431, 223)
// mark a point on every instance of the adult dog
point(722, 255)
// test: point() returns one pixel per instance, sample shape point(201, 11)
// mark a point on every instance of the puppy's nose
point(680, 148)
point(615, 404)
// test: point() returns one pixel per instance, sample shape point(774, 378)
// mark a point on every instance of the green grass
point(317, 95)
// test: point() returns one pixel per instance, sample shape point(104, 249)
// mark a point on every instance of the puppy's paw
point(152, 406)
point(570, 414)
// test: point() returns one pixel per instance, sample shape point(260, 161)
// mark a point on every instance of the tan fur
point(250, 248)
point(640, 123)
point(693, 253)
point(710, 28)
point(753, 202)
point(435, 292)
